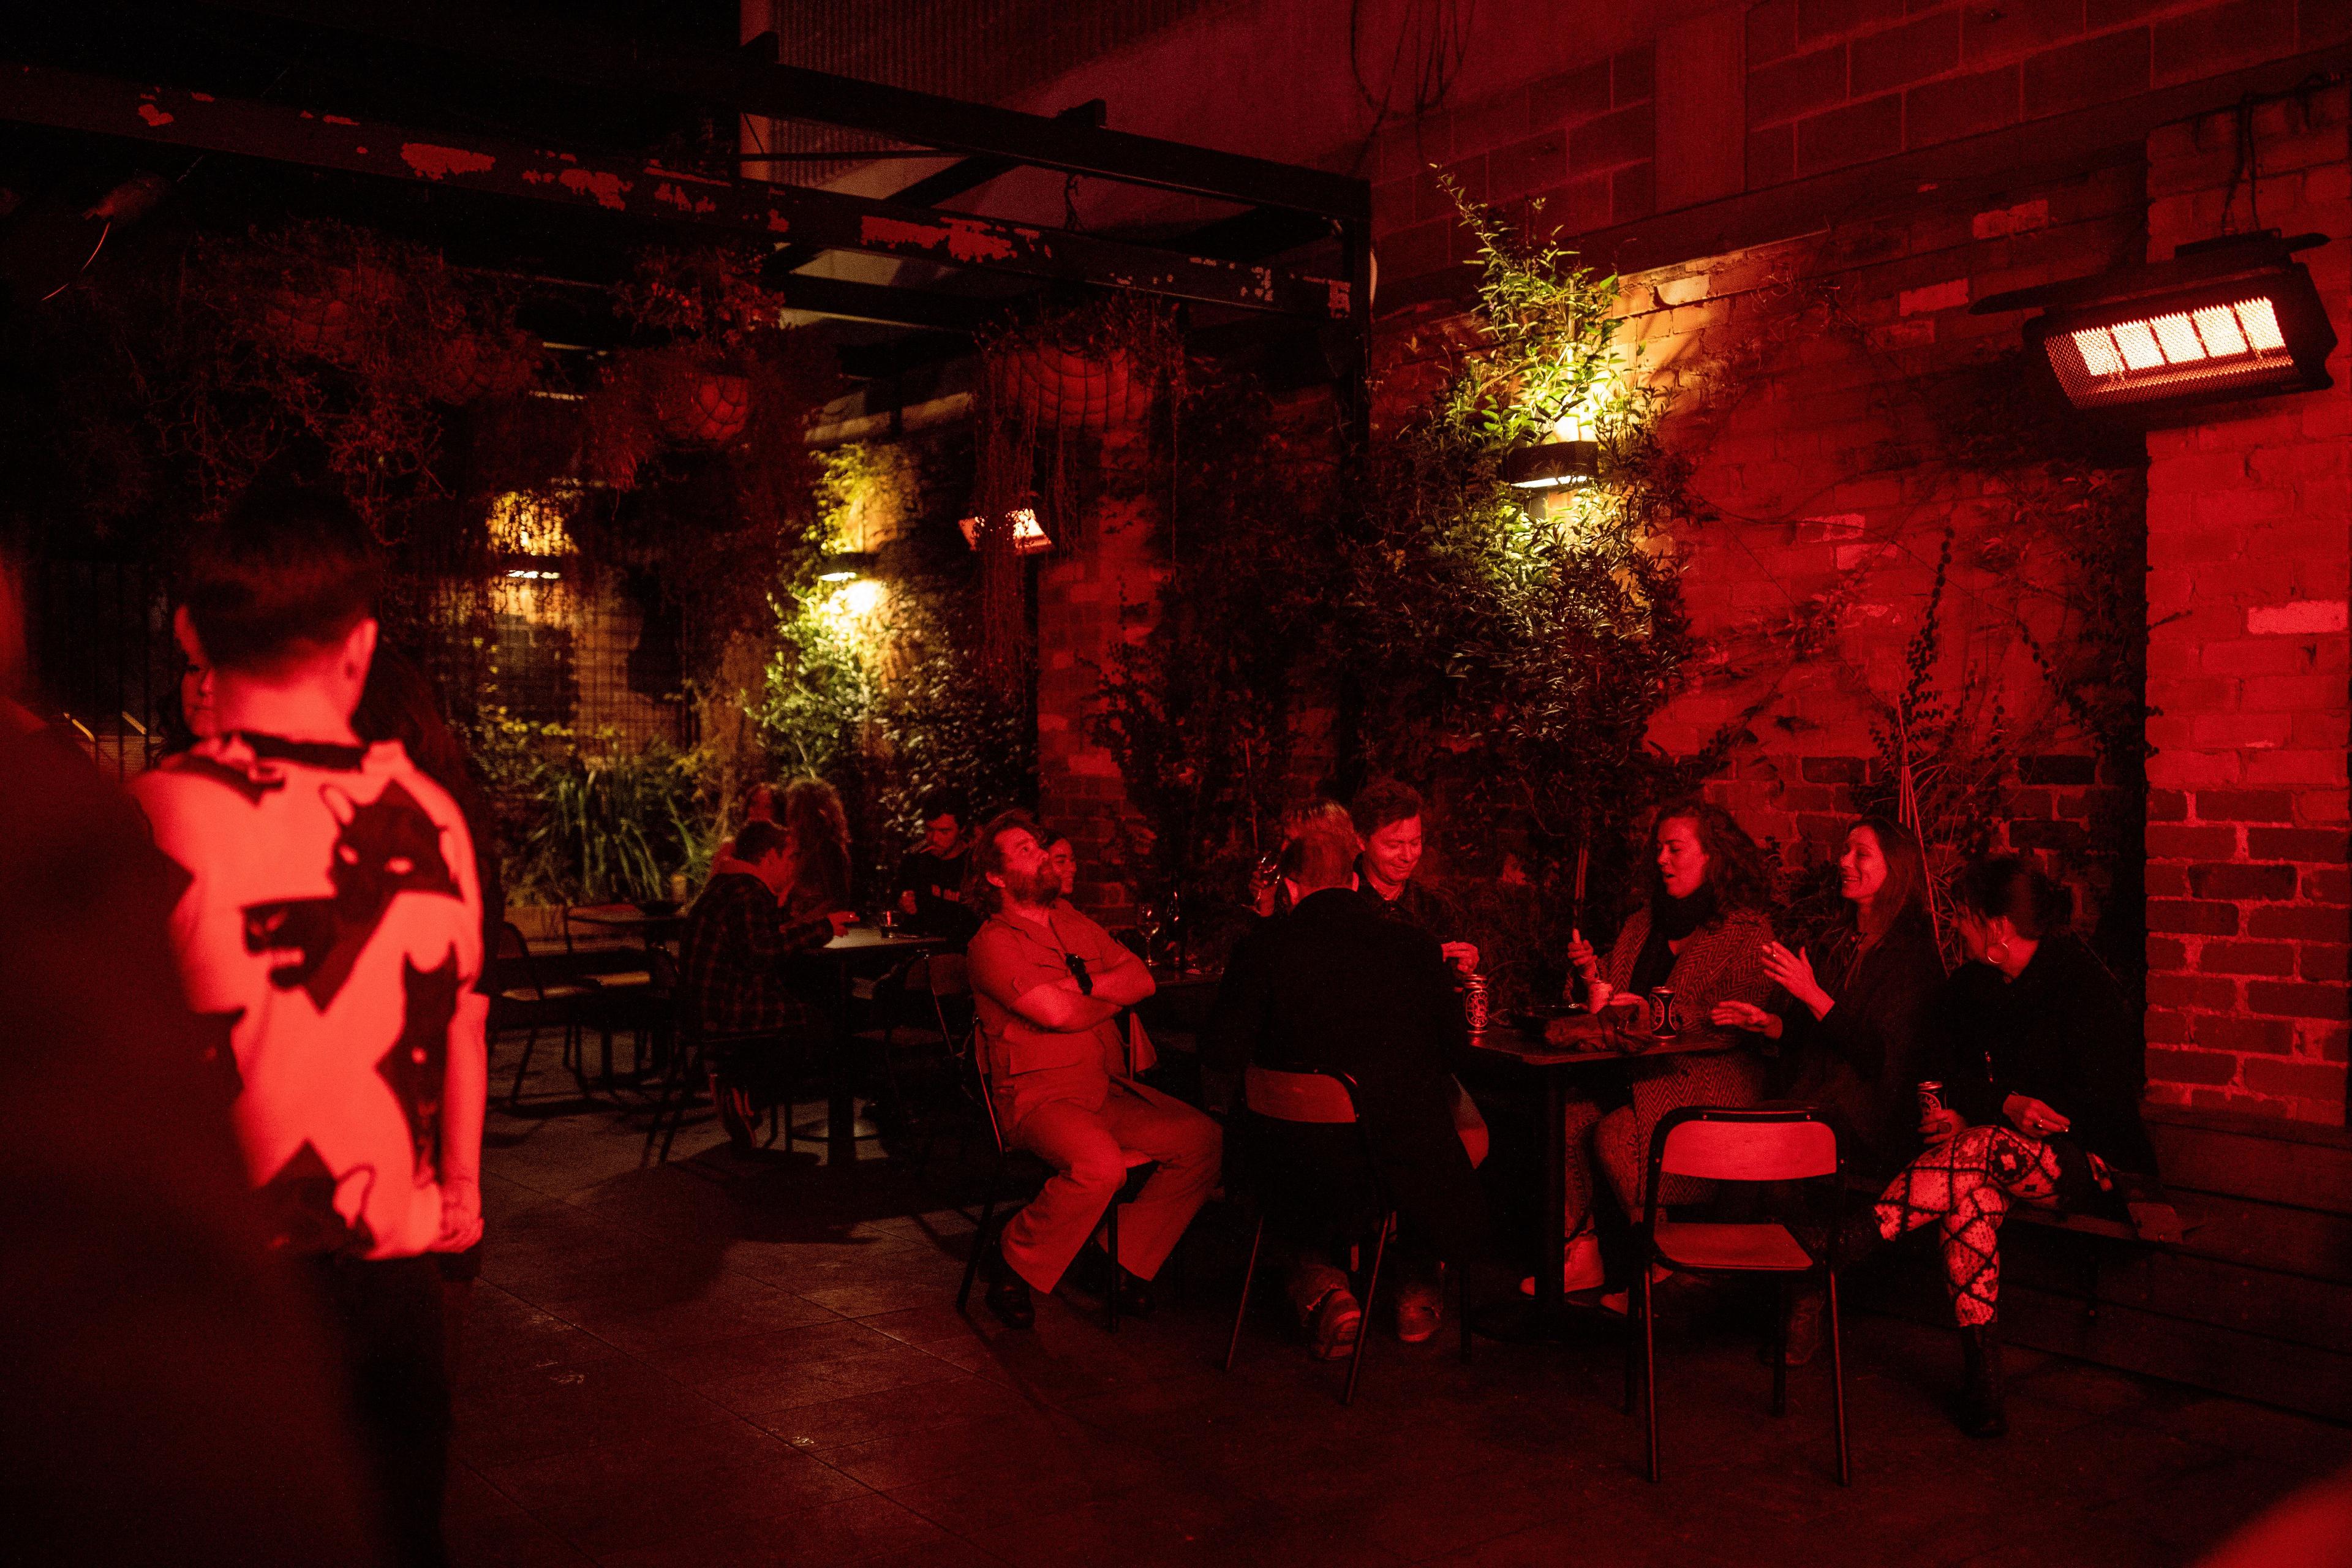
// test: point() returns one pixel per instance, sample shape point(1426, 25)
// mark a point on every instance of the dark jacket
point(2060, 1033)
point(1336, 986)
point(1862, 1064)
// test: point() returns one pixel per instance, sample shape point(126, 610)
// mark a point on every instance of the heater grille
point(2234, 344)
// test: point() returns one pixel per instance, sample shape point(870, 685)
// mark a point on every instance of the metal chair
point(1139, 1168)
point(535, 1004)
point(1720, 1144)
point(1324, 1100)
point(689, 1055)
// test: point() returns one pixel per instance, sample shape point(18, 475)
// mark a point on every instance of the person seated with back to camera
point(732, 979)
point(2043, 1065)
point(1703, 932)
point(1334, 986)
point(1851, 1014)
point(1049, 984)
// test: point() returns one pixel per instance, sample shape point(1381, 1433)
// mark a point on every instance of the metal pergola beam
point(579, 55)
point(180, 117)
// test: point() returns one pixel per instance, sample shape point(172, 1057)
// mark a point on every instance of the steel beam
point(791, 214)
point(576, 54)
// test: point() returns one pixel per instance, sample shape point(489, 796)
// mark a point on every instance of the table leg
point(841, 1103)
point(1548, 1317)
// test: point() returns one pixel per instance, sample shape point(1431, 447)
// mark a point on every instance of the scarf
point(1672, 920)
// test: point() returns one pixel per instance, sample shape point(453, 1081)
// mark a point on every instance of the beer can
point(678, 886)
point(1931, 1098)
point(1473, 1002)
point(1664, 1022)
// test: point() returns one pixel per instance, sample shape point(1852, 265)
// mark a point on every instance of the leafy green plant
point(616, 827)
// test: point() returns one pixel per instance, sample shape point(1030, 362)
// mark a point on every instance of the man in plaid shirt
point(731, 970)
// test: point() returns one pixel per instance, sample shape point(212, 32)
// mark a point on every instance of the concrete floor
point(758, 1361)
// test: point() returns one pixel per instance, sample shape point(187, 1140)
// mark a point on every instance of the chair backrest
point(1319, 1099)
point(511, 944)
point(945, 975)
point(979, 1046)
point(1744, 1145)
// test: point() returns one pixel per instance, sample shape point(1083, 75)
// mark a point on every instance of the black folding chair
point(525, 1000)
point(1139, 1171)
point(1325, 1100)
point(1753, 1144)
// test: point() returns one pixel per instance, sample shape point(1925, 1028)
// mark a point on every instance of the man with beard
point(1049, 984)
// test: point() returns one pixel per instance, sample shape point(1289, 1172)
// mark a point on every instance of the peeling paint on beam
point(104, 106)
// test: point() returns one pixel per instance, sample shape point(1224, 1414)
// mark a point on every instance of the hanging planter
point(701, 405)
point(480, 366)
point(333, 316)
point(1070, 390)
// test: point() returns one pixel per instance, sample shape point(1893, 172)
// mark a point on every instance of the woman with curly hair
point(1702, 932)
point(813, 819)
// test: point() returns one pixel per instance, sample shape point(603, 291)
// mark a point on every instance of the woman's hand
point(461, 1214)
point(1937, 1128)
point(1581, 958)
point(2030, 1116)
point(841, 920)
point(1745, 1016)
point(1461, 955)
point(1793, 972)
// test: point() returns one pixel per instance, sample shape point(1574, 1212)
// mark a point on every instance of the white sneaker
point(1579, 1270)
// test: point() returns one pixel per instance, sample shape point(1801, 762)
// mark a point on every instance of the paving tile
point(532, 1413)
point(853, 1530)
point(649, 1490)
point(704, 1362)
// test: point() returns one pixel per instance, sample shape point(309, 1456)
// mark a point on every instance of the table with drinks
point(1523, 1041)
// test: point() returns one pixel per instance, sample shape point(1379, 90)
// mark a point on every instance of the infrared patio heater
point(2224, 320)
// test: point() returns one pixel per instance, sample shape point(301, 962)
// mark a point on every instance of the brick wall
point(1582, 143)
point(1093, 593)
point(1835, 83)
point(1797, 372)
point(2250, 550)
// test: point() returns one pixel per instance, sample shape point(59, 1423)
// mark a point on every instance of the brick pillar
point(1113, 568)
point(2248, 566)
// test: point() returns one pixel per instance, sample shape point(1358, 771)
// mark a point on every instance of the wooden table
point(860, 950)
point(1548, 1317)
point(650, 929)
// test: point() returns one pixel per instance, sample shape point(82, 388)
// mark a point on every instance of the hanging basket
point(474, 367)
point(1065, 391)
point(333, 317)
point(703, 407)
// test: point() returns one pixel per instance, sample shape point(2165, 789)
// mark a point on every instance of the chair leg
point(1372, 1288)
point(1837, 1383)
point(1110, 1246)
point(1249, 1276)
point(696, 1061)
point(980, 1235)
point(1780, 1346)
point(669, 1088)
point(514, 1095)
point(1649, 1371)
point(1461, 1300)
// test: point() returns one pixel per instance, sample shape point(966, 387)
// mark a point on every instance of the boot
point(1008, 1293)
point(1983, 1410)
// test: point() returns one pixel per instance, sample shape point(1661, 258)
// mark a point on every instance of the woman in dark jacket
point(1852, 1010)
point(2042, 1066)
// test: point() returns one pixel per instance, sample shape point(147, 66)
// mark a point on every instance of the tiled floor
point(725, 1362)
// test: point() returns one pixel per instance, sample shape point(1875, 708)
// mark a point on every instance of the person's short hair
point(1995, 885)
point(942, 803)
point(758, 840)
point(284, 573)
point(1325, 845)
point(1049, 838)
point(987, 856)
point(1381, 801)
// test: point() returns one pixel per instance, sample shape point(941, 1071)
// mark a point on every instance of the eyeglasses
point(1077, 966)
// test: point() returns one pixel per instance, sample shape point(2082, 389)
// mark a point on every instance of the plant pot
point(702, 406)
point(1064, 390)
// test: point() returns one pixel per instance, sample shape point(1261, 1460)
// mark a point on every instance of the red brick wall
point(1834, 82)
point(1094, 592)
point(2249, 557)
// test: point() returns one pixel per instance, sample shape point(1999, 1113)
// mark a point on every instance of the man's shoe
point(1420, 1310)
point(736, 1113)
point(1984, 1411)
point(1339, 1321)
point(1008, 1293)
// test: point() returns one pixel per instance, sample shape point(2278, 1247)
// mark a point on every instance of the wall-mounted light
point(844, 565)
point(532, 574)
point(2224, 319)
point(1555, 465)
point(1029, 535)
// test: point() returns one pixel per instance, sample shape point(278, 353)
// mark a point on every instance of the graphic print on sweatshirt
point(329, 926)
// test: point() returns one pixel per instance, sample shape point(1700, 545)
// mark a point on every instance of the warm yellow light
point(864, 597)
point(836, 576)
point(527, 523)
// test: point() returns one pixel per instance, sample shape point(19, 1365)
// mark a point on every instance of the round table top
point(1530, 1048)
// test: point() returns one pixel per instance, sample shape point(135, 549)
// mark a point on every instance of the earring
point(1994, 955)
